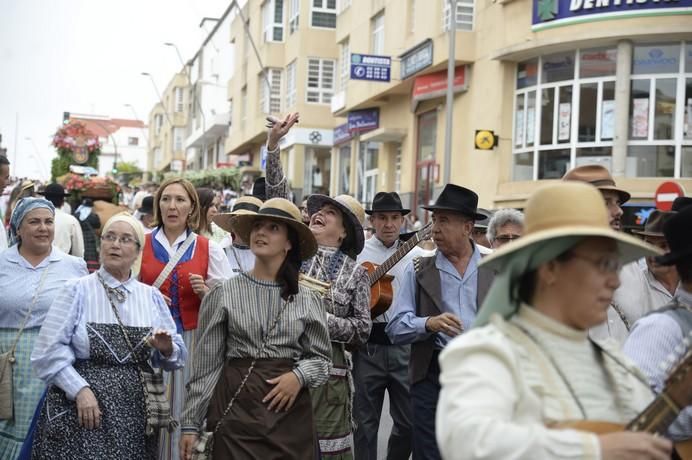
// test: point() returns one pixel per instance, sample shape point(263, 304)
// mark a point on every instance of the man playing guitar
point(380, 365)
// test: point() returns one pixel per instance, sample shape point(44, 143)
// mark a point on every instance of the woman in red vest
point(183, 265)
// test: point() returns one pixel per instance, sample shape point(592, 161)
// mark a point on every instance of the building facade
point(168, 121)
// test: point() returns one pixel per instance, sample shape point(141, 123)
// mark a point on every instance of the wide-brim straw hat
point(351, 209)
point(280, 210)
point(243, 205)
point(568, 208)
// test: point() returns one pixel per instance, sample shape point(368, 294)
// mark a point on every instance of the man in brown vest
point(438, 299)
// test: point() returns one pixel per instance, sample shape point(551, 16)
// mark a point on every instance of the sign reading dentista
point(555, 13)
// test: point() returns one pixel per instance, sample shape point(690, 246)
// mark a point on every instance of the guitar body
point(381, 293)
point(684, 448)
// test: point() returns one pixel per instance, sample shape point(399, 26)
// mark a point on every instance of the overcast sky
point(86, 56)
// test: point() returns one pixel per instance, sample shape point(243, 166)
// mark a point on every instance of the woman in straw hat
point(262, 339)
point(528, 364)
point(100, 330)
point(337, 226)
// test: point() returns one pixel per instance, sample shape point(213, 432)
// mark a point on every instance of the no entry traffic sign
point(666, 193)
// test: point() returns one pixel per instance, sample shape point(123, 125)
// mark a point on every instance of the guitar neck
point(393, 259)
point(657, 416)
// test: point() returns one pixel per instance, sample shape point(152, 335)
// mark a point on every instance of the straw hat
point(598, 176)
point(354, 217)
point(244, 205)
point(568, 208)
point(280, 210)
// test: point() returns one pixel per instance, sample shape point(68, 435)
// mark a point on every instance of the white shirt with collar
point(377, 253)
point(218, 271)
point(68, 234)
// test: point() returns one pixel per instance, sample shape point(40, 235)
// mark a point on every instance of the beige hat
point(546, 216)
point(283, 211)
point(244, 205)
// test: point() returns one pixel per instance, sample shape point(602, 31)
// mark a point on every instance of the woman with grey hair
point(31, 269)
point(505, 225)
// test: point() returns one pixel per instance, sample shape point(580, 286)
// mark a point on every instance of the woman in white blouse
point(528, 365)
point(99, 334)
point(31, 269)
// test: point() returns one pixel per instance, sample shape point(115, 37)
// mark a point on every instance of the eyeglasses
point(124, 240)
point(506, 238)
point(603, 264)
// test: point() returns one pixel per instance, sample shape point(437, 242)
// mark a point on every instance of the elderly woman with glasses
point(31, 269)
point(511, 385)
point(101, 334)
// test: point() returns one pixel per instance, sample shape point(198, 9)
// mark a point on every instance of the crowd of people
point(192, 326)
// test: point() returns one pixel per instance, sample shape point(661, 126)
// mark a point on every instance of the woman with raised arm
point(262, 347)
point(183, 266)
point(337, 226)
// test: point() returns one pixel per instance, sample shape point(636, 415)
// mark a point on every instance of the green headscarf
point(503, 297)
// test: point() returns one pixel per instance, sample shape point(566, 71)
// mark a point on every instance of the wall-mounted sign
point(363, 120)
point(342, 134)
point(434, 84)
point(416, 59)
point(371, 68)
point(485, 139)
point(554, 13)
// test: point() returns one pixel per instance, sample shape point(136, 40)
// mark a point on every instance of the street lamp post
point(451, 64)
point(134, 112)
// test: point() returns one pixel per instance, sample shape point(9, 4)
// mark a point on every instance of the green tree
point(128, 167)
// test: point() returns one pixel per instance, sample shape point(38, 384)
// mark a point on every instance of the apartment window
point(411, 17)
point(246, 40)
point(270, 96)
point(179, 106)
point(564, 113)
point(178, 139)
point(158, 123)
point(377, 27)
point(344, 63)
point(463, 14)
point(323, 14)
point(243, 107)
point(134, 141)
point(320, 88)
point(158, 156)
point(291, 84)
point(343, 5)
point(660, 115)
point(273, 20)
point(293, 15)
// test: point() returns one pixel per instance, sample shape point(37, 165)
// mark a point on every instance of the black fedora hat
point(259, 188)
point(457, 199)
point(147, 205)
point(387, 202)
point(681, 202)
point(677, 231)
point(54, 189)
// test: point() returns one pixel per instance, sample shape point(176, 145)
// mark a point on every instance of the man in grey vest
point(438, 299)
point(655, 337)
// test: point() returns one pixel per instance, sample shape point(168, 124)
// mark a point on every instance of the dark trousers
point(424, 395)
point(377, 368)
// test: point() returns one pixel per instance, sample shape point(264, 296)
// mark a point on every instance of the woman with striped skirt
point(30, 267)
point(200, 266)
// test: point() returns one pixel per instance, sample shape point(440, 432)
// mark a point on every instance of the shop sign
point(371, 68)
point(554, 13)
point(363, 120)
point(434, 84)
point(342, 134)
point(416, 59)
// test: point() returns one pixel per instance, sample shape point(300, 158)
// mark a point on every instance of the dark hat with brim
point(387, 202)
point(681, 202)
point(54, 190)
point(677, 230)
point(654, 224)
point(456, 198)
point(353, 213)
point(280, 210)
point(147, 205)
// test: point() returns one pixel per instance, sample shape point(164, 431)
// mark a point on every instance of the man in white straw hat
point(237, 250)
point(528, 365)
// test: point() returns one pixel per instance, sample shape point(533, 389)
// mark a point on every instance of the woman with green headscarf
point(528, 365)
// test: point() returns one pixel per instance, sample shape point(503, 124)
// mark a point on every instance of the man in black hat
point(438, 299)
point(656, 336)
point(380, 365)
point(145, 213)
point(681, 202)
point(68, 232)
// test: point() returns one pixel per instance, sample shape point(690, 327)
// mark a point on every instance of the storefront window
point(595, 155)
point(600, 62)
point(344, 169)
point(527, 73)
point(686, 166)
point(522, 169)
point(639, 109)
point(688, 57)
point(664, 113)
point(426, 164)
point(687, 128)
point(650, 59)
point(650, 161)
point(553, 164)
point(558, 67)
point(367, 166)
point(547, 115)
